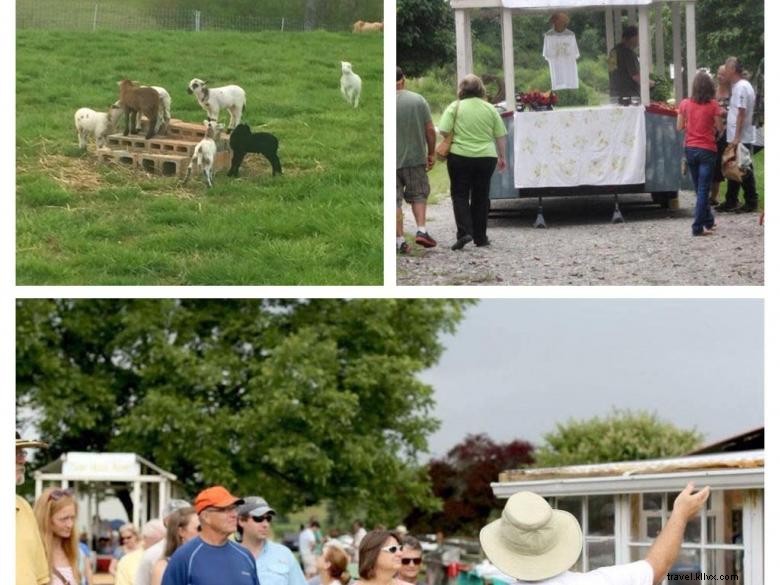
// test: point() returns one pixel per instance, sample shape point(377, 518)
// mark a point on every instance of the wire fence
point(94, 16)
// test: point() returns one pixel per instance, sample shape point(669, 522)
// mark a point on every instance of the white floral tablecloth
point(580, 146)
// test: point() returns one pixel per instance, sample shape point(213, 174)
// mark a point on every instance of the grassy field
point(82, 222)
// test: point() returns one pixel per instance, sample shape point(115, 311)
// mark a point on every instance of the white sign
point(104, 465)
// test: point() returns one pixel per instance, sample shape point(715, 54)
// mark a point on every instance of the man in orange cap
point(212, 558)
point(32, 565)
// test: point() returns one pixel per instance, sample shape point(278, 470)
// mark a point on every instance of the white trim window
point(713, 543)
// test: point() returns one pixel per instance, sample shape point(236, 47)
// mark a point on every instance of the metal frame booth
point(657, 166)
point(95, 475)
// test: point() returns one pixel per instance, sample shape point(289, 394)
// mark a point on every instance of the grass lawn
point(82, 222)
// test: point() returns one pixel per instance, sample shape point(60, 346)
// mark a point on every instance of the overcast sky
point(517, 367)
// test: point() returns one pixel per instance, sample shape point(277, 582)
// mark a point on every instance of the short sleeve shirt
point(623, 64)
point(127, 567)
point(412, 115)
point(638, 573)
point(199, 563)
point(560, 50)
point(477, 125)
point(151, 555)
point(742, 96)
point(32, 566)
point(700, 123)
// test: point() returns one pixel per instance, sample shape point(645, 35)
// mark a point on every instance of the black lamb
point(243, 140)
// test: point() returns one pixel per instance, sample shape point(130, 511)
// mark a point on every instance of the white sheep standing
point(205, 152)
point(230, 97)
point(350, 84)
point(98, 124)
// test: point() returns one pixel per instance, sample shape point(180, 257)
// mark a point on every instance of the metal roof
point(741, 470)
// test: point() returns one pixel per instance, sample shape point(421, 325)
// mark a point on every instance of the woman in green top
point(478, 146)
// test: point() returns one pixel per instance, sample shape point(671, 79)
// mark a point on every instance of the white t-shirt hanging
point(561, 52)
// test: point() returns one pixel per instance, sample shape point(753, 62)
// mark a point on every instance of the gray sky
point(516, 367)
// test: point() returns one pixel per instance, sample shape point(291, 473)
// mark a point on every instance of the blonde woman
point(129, 540)
point(182, 527)
point(55, 511)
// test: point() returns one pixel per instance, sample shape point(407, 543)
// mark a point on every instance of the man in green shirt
point(415, 144)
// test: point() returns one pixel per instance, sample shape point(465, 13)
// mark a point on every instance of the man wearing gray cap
point(155, 552)
point(276, 564)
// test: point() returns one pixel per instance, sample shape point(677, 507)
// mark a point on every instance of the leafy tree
point(300, 400)
point(621, 436)
point(425, 35)
point(462, 481)
point(730, 28)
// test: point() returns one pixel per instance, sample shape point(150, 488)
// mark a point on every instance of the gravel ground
point(582, 247)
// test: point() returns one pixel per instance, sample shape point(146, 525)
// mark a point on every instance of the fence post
point(94, 19)
point(197, 21)
point(282, 23)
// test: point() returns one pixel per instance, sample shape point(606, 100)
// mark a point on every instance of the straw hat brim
point(561, 557)
point(30, 444)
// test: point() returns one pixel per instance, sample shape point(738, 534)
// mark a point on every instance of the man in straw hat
point(534, 543)
point(32, 566)
point(211, 558)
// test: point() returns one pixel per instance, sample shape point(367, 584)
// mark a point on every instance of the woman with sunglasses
point(182, 526)
point(379, 558)
point(55, 512)
point(332, 565)
point(128, 542)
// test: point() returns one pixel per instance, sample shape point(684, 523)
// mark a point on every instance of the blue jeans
point(701, 164)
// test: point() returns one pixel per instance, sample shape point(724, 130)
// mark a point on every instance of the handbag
point(730, 165)
point(443, 148)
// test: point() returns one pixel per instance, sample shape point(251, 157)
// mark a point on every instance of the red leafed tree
point(461, 480)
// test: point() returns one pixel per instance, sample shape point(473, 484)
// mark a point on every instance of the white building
point(623, 506)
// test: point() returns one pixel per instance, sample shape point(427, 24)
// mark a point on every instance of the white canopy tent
point(91, 474)
point(637, 11)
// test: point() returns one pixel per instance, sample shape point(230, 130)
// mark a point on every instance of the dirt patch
point(580, 246)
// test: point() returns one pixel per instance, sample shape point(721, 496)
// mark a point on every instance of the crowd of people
point(223, 539)
point(713, 117)
point(717, 116)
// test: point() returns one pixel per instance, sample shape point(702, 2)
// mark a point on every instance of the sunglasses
point(416, 561)
point(59, 494)
point(392, 549)
point(267, 518)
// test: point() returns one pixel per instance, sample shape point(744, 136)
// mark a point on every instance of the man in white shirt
point(307, 543)
point(534, 543)
point(739, 129)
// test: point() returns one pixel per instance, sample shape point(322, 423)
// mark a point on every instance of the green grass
point(88, 223)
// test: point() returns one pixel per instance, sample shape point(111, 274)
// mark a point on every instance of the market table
point(597, 146)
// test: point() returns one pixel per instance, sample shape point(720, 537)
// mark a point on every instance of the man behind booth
point(623, 64)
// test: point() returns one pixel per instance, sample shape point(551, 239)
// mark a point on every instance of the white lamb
point(165, 102)
point(230, 97)
point(350, 84)
point(98, 124)
point(205, 152)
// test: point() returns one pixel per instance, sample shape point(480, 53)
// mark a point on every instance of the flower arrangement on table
point(536, 100)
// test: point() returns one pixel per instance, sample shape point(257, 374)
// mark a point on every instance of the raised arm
point(666, 547)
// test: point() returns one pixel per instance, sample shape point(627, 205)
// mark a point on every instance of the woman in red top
point(699, 117)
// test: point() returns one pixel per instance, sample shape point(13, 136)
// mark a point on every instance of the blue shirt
point(276, 565)
point(198, 563)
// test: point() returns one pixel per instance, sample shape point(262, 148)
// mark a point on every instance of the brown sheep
point(135, 100)
point(358, 26)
